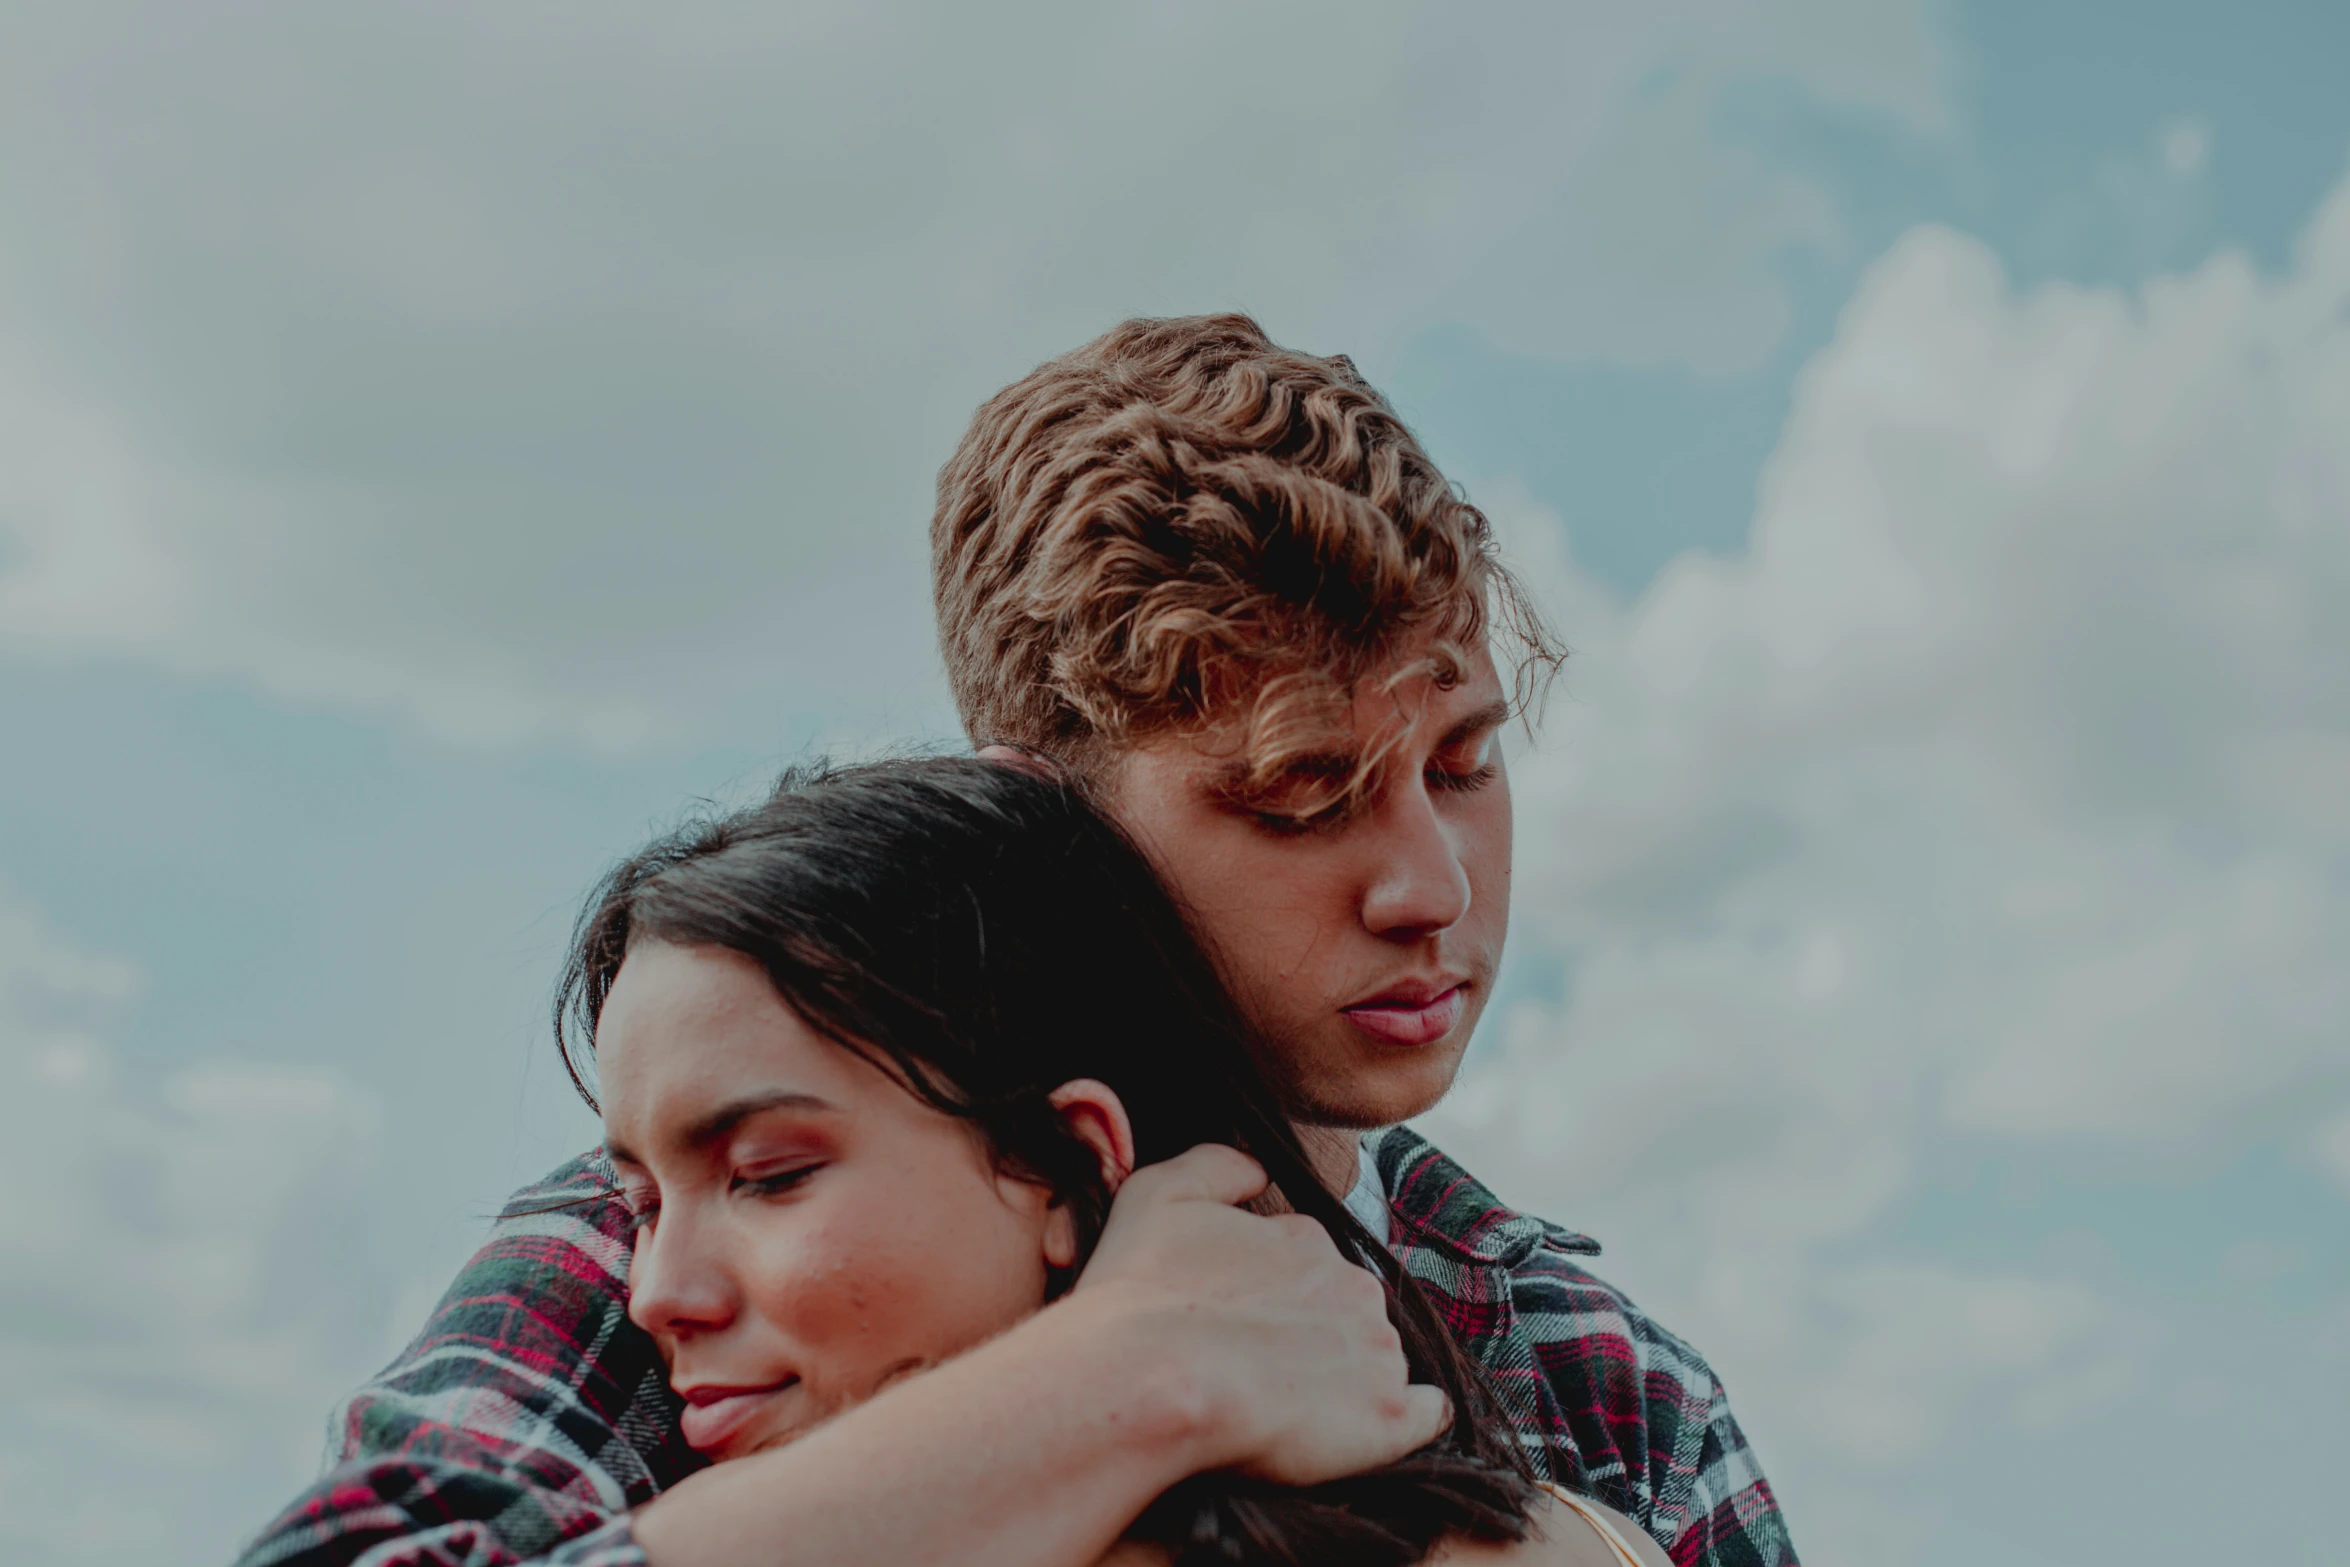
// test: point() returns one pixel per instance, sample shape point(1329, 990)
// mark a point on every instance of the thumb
point(1026, 759)
point(1427, 1415)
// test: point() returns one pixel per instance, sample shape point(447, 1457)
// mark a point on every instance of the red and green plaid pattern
point(530, 1414)
point(1608, 1402)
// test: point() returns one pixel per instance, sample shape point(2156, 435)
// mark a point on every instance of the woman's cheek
point(803, 1271)
point(868, 1278)
point(838, 1287)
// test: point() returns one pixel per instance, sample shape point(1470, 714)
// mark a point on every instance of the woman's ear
point(1092, 1110)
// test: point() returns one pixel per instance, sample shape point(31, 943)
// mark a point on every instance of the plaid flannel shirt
point(530, 1414)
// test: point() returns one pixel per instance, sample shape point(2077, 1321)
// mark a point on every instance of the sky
point(440, 442)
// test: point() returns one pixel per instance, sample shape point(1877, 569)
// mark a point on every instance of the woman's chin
point(744, 1422)
point(791, 1412)
point(773, 1427)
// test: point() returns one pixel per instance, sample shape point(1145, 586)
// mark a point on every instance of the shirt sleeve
point(520, 1426)
point(1602, 1395)
point(1711, 1505)
point(1734, 1518)
point(1635, 1415)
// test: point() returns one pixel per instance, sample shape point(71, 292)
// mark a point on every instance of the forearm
point(1034, 1450)
point(1198, 1338)
point(518, 1426)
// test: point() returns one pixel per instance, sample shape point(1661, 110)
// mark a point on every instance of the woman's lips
point(714, 1416)
point(1400, 1022)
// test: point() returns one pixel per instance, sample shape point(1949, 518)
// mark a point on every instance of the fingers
point(1026, 760)
point(1290, 1338)
point(1209, 1173)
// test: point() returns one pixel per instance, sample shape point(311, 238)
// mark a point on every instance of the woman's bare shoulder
point(1560, 1538)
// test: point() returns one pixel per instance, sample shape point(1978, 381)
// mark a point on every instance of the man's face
point(1364, 946)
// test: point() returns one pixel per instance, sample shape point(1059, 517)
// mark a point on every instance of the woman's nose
point(677, 1283)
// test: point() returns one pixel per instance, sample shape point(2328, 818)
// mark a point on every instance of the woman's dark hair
point(984, 935)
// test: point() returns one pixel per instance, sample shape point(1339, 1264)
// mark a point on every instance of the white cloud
point(2185, 145)
point(528, 370)
point(187, 1288)
point(1993, 798)
point(2332, 1147)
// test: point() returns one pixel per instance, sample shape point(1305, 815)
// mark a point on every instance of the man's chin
point(1380, 1094)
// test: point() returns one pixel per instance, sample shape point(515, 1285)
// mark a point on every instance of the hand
point(1277, 1349)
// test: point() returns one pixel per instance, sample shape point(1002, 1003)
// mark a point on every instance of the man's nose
point(677, 1281)
point(1419, 886)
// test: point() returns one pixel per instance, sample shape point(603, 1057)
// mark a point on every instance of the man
point(1221, 586)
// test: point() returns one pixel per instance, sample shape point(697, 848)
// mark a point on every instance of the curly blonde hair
point(1182, 524)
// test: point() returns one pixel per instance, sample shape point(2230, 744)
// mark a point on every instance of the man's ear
point(1092, 1110)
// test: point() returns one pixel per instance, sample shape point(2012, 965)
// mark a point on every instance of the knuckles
point(1210, 1172)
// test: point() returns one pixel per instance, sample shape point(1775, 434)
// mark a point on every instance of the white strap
point(1599, 1521)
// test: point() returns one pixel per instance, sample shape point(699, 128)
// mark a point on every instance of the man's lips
point(714, 1414)
point(1416, 1014)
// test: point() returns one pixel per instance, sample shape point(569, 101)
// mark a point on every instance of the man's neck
point(1331, 1154)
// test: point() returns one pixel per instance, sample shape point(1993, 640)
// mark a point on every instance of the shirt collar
point(1445, 1206)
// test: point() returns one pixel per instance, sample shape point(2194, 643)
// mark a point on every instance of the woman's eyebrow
point(716, 1124)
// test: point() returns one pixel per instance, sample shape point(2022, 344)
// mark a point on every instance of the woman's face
point(808, 1228)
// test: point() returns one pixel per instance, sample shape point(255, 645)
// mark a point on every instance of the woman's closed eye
point(644, 1207)
point(772, 1182)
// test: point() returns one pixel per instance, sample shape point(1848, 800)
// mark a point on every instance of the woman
point(875, 1059)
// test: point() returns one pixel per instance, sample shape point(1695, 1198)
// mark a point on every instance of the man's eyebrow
point(1234, 777)
point(1492, 715)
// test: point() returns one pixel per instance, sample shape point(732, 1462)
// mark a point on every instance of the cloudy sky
point(439, 441)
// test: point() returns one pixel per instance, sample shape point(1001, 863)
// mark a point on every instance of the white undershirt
point(1367, 1198)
